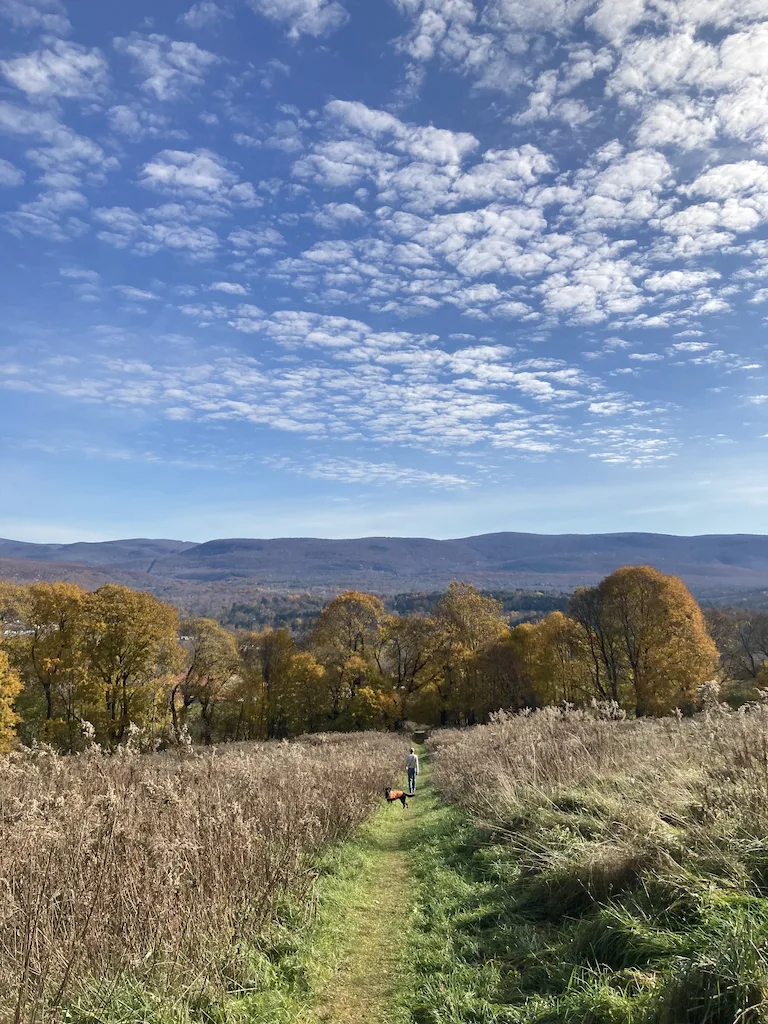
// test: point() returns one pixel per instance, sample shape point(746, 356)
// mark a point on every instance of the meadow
point(556, 866)
point(616, 871)
point(133, 879)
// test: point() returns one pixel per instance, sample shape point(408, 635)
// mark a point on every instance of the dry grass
point(163, 868)
point(707, 775)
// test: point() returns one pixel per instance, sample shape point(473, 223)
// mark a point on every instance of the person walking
point(412, 765)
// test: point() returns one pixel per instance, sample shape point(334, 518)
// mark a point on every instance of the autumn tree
point(268, 656)
point(741, 637)
point(130, 639)
point(504, 674)
point(663, 635)
point(307, 703)
point(285, 686)
point(559, 670)
point(348, 640)
point(212, 664)
point(12, 600)
point(48, 652)
point(10, 688)
point(645, 639)
point(410, 657)
point(467, 623)
point(601, 641)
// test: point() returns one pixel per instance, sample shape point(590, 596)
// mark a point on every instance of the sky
point(404, 267)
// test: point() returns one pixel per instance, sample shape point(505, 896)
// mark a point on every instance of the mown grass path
point(365, 918)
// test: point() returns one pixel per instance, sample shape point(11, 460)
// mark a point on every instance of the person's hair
point(413, 751)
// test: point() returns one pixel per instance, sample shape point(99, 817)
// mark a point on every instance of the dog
point(397, 794)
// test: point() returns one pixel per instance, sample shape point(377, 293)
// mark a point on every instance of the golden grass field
point(162, 869)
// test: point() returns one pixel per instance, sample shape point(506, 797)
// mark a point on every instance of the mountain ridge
point(390, 564)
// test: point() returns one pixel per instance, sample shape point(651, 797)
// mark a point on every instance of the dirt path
point(364, 944)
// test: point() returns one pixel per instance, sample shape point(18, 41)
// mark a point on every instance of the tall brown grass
point(163, 867)
point(498, 769)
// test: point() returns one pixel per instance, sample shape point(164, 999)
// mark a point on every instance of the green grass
point(598, 942)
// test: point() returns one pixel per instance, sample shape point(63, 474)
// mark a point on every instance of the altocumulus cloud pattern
point(402, 253)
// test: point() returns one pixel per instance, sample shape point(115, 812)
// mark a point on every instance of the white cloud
point(680, 280)
point(167, 227)
point(420, 167)
point(245, 241)
point(336, 215)
point(10, 176)
point(48, 15)
point(137, 122)
point(64, 156)
point(199, 175)
point(168, 68)
point(64, 70)
point(80, 274)
point(50, 216)
point(678, 122)
point(204, 13)
point(358, 471)
point(137, 294)
point(614, 21)
point(230, 287)
point(435, 145)
point(303, 17)
point(286, 136)
point(691, 346)
point(726, 181)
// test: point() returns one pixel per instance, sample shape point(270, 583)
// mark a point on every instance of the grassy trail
point(393, 935)
point(366, 915)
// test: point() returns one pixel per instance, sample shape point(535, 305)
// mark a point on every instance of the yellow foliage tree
point(212, 666)
point(663, 637)
point(131, 641)
point(556, 662)
point(286, 687)
point(49, 653)
point(10, 688)
point(348, 639)
point(467, 623)
point(307, 701)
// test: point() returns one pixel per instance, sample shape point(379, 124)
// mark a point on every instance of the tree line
point(116, 664)
point(298, 612)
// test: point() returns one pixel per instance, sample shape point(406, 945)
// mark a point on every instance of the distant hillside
point(126, 554)
point(225, 570)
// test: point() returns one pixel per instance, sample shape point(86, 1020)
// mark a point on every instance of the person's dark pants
point(411, 780)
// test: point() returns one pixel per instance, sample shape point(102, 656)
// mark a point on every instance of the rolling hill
point(709, 564)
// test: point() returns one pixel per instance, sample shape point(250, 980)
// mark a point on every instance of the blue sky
point(415, 267)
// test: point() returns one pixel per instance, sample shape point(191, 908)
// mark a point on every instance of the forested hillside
point(216, 573)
